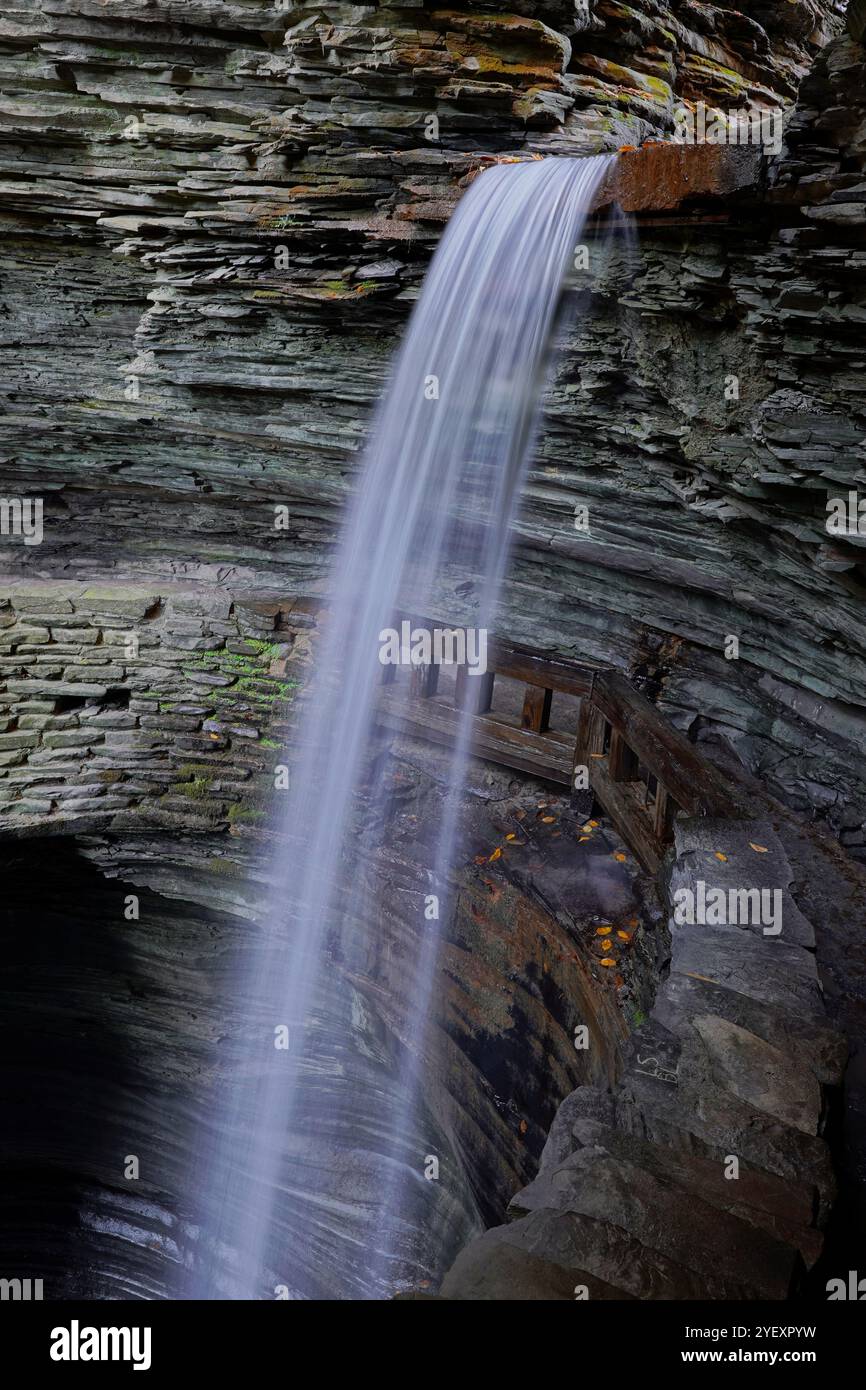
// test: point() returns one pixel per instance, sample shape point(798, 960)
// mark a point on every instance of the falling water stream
point(439, 486)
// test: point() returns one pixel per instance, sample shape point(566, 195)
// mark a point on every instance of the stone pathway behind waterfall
point(635, 1197)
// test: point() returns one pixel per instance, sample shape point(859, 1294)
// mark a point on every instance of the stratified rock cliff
point(215, 219)
point(231, 214)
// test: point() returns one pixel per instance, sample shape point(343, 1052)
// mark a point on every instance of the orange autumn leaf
point(603, 931)
point(623, 936)
point(548, 820)
point(523, 1126)
point(481, 859)
point(582, 839)
point(594, 824)
point(497, 854)
point(759, 849)
point(608, 960)
point(607, 945)
point(596, 755)
point(723, 858)
point(620, 858)
point(512, 836)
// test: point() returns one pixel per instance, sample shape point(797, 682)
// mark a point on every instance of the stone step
point(559, 1255)
point(666, 1218)
point(782, 1208)
point(810, 1037)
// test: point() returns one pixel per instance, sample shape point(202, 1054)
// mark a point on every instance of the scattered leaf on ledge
point(497, 854)
point(759, 849)
point(608, 960)
point(512, 836)
point(623, 936)
point(523, 1126)
point(582, 839)
point(723, 858)
point(548, 820)
point(607, 945)
point(603, 931)
point(620, 858)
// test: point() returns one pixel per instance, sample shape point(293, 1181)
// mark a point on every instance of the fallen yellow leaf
point(608, 960)
point(594, 824)
point(623, 936)
point(512, 836)
point(582, 839)
point(620, 858)
point(759, 849)
point(497, 854)
point(607, 945)
point(548, 820)
point(722, 857)
point(603, 931)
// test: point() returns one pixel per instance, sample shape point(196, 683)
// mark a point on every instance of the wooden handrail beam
point(677, 765)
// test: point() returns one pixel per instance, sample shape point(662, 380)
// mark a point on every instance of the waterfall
point(319, 1138)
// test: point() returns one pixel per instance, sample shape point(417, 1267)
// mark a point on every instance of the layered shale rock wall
point(125, 709)
point(232, 211)
point(215, 218)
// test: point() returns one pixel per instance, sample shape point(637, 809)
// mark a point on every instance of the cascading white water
point(439, 486)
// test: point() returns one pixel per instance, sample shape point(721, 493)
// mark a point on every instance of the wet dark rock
point(203, 285)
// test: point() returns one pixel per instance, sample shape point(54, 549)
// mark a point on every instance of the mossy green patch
point(238, 813)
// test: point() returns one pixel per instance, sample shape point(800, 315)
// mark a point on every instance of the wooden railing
point(641, 770)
